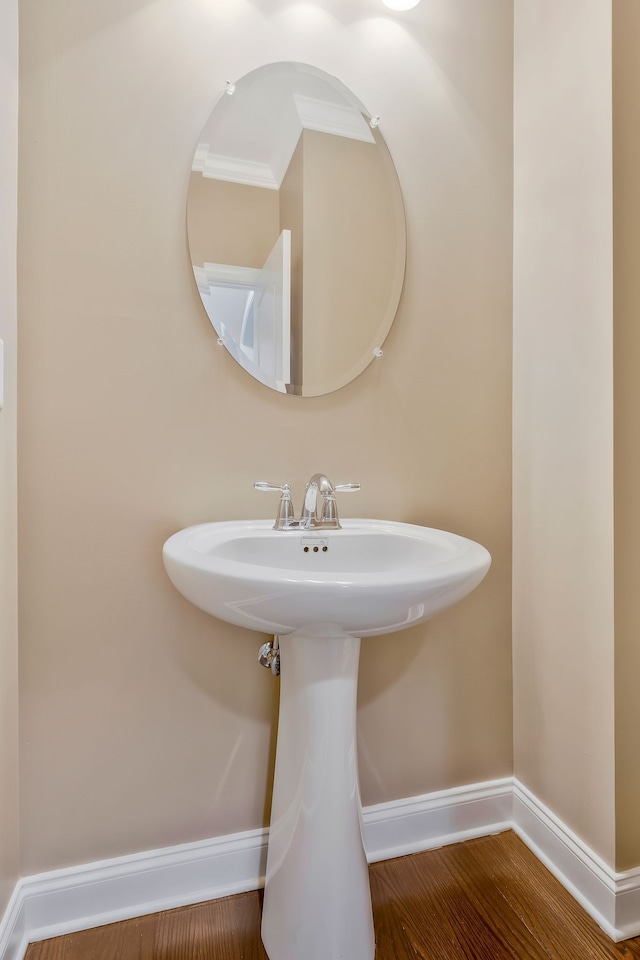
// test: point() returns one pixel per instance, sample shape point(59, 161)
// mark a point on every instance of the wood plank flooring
point(486, 899)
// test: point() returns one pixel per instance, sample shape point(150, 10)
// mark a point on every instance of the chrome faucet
point(318, 485)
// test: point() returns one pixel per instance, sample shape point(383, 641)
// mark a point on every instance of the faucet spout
point(318, 485)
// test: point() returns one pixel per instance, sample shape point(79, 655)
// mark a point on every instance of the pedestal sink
point(319, 592)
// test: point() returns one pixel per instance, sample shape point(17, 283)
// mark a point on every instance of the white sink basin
point(369, 578)
point(320, 591)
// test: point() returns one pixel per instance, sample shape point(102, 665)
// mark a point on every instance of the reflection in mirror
point(296, 229)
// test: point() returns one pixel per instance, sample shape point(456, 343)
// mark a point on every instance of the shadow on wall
point(344, 13)
point(216, 657)
point(221, 661)
point(81, 24)
point(385, 660)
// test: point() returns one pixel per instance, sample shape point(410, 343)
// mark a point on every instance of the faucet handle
point(285, 514)
point(267, 487)
point(329, 509)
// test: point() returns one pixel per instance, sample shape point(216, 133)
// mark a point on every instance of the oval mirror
point(296, 229)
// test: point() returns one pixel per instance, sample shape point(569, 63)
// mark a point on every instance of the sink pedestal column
point(317, 902)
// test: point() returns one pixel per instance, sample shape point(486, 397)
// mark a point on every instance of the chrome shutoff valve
point(269, 656)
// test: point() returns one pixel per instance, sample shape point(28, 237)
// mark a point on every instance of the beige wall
point(144, 722)
point(626, 244)
point(563, 413)
point(9, 835)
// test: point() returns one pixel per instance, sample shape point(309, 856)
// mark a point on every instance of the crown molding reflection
point(233, 169)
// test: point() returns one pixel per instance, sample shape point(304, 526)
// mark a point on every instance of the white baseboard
point(400, 827)
point(77, 898)
point(611, 898)
point(65, 901)
point(14, 938)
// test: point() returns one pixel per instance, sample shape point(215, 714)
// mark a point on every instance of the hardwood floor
point(486, 899)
